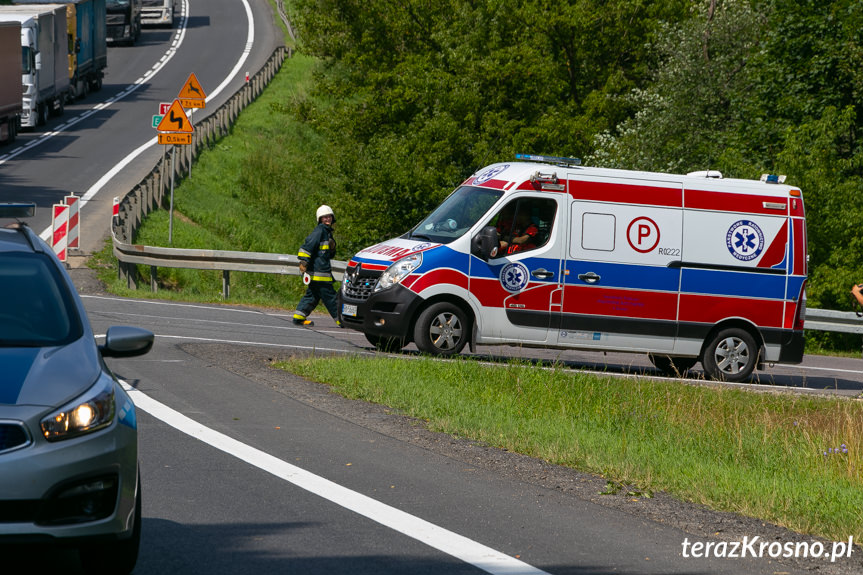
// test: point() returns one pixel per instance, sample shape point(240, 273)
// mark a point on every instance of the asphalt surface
point(552, 488)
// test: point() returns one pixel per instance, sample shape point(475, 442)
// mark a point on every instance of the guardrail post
point(154, 275)
point(226, 284)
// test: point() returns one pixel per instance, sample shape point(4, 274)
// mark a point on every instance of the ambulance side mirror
point(486, 243)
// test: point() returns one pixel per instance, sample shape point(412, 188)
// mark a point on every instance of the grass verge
point(792, 460)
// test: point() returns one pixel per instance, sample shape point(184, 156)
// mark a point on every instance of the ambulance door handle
point(589, 277)
point(542, 274)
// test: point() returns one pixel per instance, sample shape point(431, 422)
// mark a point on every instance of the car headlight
point(91, 412)
point(398, 271)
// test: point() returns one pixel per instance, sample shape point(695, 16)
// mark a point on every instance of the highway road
point(249, 470)
point(104, 144)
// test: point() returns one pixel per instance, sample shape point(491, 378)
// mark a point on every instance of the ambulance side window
point(597, 231)
point(524, 224)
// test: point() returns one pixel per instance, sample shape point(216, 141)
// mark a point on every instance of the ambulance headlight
point(398, 271)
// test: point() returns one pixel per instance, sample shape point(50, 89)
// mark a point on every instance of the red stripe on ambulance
point(625, 193)
point(776, 251)
point(444, 276)
point(712, 309)
point(730, 202)
point(586, 300)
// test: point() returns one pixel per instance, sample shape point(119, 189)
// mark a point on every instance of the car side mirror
point(486, 243)
point(126, 341)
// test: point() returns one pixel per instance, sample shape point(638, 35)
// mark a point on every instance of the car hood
point(47, 376)
point(391, 250)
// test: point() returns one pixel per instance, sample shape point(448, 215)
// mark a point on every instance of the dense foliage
point(420, 94)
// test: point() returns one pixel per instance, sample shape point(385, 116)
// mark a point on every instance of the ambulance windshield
point(456, 215)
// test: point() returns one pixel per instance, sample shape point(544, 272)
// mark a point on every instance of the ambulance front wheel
point(731, 355)
point(385, 343)
point(441, 329)
point(671, 365)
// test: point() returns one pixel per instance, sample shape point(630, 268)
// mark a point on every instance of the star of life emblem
point(745, 240)
point(489, 174)
point(514, 277)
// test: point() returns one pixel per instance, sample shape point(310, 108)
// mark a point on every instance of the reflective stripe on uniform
point(304, 254)
point(299, 315)
point(322, 278)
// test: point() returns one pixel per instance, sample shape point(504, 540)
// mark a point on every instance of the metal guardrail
point(261, 262)
point(222, 260)
point(832, 320)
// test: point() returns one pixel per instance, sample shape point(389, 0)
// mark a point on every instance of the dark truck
point(124, 21)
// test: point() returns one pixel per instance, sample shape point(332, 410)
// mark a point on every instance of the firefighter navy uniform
point(315, 255)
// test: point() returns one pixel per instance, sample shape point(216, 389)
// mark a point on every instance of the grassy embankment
point(789, 459)
point(762, 455)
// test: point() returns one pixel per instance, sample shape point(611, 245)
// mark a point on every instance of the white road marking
point(178, 40)
point(467, 550)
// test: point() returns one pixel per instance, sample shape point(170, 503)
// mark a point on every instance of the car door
point(518, 290)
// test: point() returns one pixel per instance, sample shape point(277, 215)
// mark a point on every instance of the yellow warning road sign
point(192, 89)
point(175, 120)
point(175, 139)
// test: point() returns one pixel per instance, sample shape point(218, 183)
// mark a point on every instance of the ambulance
point(545, 252)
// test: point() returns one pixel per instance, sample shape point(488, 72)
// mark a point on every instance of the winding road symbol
point(175, 120)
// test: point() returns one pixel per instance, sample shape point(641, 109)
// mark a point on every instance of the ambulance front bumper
point(387, 313)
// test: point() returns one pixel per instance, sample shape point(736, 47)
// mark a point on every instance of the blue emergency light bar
point(549, 159)
point(21, 210)
point(772, 179)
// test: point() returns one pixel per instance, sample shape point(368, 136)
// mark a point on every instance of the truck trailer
point(10, 80)
point(87, 43)
point(44, 58)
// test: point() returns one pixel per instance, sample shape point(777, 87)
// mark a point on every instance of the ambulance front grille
point(360, 285)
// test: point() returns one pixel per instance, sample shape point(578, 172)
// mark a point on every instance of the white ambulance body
point(684, 267)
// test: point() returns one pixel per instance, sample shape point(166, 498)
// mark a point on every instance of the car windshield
point(36, 308)
point(456, 215)
point(158, 3)
point(112, 3)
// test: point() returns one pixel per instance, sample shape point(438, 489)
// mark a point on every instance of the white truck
point(44, 59)
point(158, 13)
point(87, 43)
point(10, 80)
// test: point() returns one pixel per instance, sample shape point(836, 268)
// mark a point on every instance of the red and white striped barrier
point(115, 211)
point(74, 234)
point(60, 226)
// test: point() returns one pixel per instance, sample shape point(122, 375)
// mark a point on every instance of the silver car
point(68, 435)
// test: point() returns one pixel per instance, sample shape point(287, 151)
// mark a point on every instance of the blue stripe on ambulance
point(732, 283)
point(652, 278)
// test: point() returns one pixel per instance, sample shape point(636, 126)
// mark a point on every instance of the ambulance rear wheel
point(384, 343)
point(731, 355)
point(441, 329)
point(672, 365)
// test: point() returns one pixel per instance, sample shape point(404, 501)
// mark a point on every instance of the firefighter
point(315, 255)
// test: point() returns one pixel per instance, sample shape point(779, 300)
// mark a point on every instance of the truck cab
point(123, 21)
point(158, 13)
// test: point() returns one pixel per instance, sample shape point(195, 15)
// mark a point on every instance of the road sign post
point(174, 129)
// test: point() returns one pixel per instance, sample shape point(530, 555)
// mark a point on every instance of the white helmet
point(325, 210)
